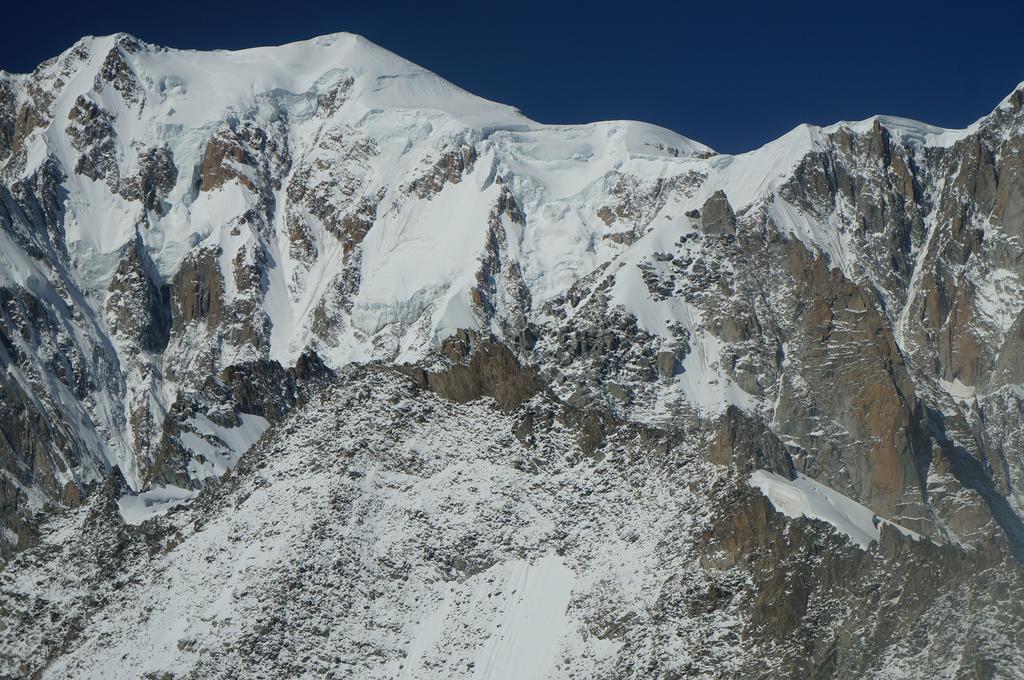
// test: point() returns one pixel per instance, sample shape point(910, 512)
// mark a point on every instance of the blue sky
point(731, 75)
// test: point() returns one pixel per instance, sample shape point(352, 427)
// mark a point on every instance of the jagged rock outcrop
point(156, 177)
point(874, 609)
point(197, 291)
point(481, 367)
point(138, 308)
point(451, 167)
point(91, 132)
point(716, 215)
point(748, 445)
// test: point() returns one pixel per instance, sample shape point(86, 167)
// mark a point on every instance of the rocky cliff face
point(415, 303)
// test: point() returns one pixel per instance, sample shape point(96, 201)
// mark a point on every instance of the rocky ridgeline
point(393, 495)
point(397, 282)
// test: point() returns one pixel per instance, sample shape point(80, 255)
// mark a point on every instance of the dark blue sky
point(728, 75)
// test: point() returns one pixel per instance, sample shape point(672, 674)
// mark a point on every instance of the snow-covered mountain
point(459, 367)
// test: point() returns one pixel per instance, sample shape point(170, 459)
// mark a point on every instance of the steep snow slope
point(267, 169)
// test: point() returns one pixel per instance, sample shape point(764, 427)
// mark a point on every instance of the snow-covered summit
point(311, 98)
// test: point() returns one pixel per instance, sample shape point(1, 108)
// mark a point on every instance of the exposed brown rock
point(335, 194)
point(668, 363)
point(481, 368)
point(716, 215)
point(91, 131)
point(155, 179)
point(860, 390)
point(28, 120)
point(224, 160)
point(745, 442)
point(448, 169)
point(197, 291)
point(800, 568)
point(116, 71)
point(138, 307)
point(329, 102)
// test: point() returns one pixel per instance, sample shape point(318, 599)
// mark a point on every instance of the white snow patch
point(9, 536)
point(958, 390)
point(222, 446)
point(520, 610)
point(526, 634)
point(804, 497)
point(137, 509)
